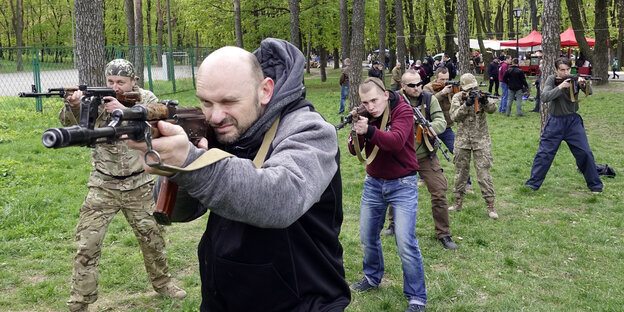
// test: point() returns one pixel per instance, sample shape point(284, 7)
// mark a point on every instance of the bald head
point(235, 61)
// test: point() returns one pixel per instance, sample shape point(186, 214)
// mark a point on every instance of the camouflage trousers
point(96, 213)
point(483, 162)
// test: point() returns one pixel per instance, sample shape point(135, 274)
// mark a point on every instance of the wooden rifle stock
point(167, 195)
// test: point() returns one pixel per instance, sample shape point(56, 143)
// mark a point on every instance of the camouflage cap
point(119, 67)
point(468, 81)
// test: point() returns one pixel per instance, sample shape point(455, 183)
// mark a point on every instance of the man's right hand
point(565, 84)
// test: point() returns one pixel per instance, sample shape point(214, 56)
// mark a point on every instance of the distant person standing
point(517, 84)
point(615, 67)
point(450, 66)
point(395, 85)
point(377, 71)
point(344, 84)
point(493, 73)
point(501, 72)
point(538, 92)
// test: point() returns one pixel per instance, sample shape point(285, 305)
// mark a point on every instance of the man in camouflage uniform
point(473, 137)
point(118, 182)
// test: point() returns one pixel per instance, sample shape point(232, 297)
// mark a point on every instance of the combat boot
point(171, 290)
point(78, 307)
point(491, 210)
point(457, 205)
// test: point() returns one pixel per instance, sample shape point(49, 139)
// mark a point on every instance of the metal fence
point(166, 71)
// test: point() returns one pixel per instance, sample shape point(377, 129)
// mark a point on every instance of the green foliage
point(556, 249)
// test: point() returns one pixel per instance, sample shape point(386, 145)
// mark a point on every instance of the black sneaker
point(362, 285)
point(448, 243)
point(415, 308)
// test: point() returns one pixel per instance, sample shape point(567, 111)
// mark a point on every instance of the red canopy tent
point(569, 40)
point(532, 39)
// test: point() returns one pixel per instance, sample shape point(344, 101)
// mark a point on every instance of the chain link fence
point(165, 71)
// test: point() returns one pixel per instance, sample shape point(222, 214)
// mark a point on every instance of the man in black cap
point(376, 71)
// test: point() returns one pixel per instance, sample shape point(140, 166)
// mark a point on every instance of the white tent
point(495, 45)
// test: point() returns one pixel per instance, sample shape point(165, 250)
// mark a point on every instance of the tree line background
point(338, 27)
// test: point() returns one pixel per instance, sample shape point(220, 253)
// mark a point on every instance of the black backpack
point(605, 170)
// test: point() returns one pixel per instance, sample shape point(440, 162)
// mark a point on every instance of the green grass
point(557, 249)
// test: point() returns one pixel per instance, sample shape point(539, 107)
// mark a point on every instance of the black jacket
point(515, 79)
point(493, 70)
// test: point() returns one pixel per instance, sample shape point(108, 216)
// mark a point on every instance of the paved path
point(13, 83)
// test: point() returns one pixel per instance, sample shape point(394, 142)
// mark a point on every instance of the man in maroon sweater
point(387, 137)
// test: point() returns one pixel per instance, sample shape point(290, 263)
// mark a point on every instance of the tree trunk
point(411, 28)
point(138, 40)
point(498, 23)
point(579, 30)
point(336, 58)
point(551, 22)
point(487, 57)
point(400, 33)
point(129, 5)
point(295, 35)
point(382, 31)
point(345, 39)
point(449, 26)
point(534, 17)
point(160, 25)
point(357, 53)
point(323, 62)
point(620, 23)
point(89, 42)
point(149, 22)
point(600, 66)
point(391, 20)
point(238, 32)
point(18, 26)
point(463, 40)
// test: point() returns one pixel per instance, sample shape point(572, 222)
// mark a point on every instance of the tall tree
point(620, 24)
point(237, 24)
point(579, 29)
point(295, 33)
point(138, 40)
point(148, 20)
point(392, 40)
point(449, 26)
point(89, 41)
point(345, 39)
point(129, 4)
point(160, 26)
point(18, 26)
point(382, 30)
point(601, 29)
point(357, 53)
point(400, 33)
point(551, 22)
point(487, 57)
point(463, 40)
point(534, 17)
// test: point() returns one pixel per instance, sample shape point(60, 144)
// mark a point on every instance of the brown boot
point(491, 210)
point(171, 290)
point(457, 205)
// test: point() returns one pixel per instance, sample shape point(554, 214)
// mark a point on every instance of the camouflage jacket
point(445, 102)
point(112, 161)
point(472, 129)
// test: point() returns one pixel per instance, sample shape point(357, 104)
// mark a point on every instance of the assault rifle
point(136, 122)
point(439, 86)
point(351, 116)
point(574, 84)
point(425, 127)
point(128, 99)
point(477, 98)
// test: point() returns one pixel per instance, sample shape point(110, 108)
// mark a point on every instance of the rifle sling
point(356, 142)
point(214, 154)
point(573, 98)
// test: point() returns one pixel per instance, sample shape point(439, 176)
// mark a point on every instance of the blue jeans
point(344, 93)
point(402, 193)
point(537, 98)
point(448, 138)
point(567, 128)
point(511, 96)
point(503, 102)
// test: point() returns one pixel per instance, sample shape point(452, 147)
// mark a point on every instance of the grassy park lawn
point(556, 249)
